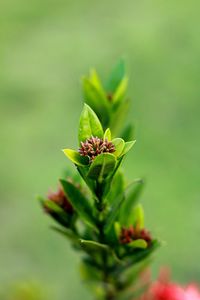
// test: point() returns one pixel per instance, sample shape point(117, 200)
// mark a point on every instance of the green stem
point(109, 295)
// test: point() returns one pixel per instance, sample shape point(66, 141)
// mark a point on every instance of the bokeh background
point(45, 48)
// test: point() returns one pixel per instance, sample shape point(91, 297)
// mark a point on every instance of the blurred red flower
point(163, 289)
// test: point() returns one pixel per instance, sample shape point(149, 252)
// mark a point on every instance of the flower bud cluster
point(95, 146)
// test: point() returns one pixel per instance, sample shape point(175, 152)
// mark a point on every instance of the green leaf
point(131, 274)
point(127, 147)
point(102, 166)
point(117, 187)
point(52, 206)
point(132, 196)
point(117, 228)
point(120, 112)
point(76, 158)
point(89, 124)
point(90, 273)
point(136, 257)
point(95, 80)
point(114, 211)
point(93, 246)
point(128, 133)
point(140, 243)
point(109, 180)
point(121, 90)
point(83, 171)
point(107, 134)
point(68, 233)
point(95, 97)
point(56, 212)
point(136, 216)
point(116, 76)
point(79, 202)
point(119, 146)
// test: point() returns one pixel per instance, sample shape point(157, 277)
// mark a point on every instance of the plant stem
point(109, 295)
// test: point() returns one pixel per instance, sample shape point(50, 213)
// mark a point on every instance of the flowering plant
point(98, 210)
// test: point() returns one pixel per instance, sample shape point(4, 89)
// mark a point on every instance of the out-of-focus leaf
point(119, 114)
point(79, 202)
point(95, 80)
point(132, 196)
point(107, 134)
point(93, 246)
point(116, 188)
point(116, 76)
point(68, 233)
point(89, 124)
point(136, 216)
point(76, 158)
point(121, 90)
point(136, 255)
point(117, 227)
point(52, 206)
point(132, 274)
point(55, 211)
point(114, 211)
point(127, 134)
point(102, 166)
point(140, 243)
point(90, 273)
point(119, 146)
point(95, 97)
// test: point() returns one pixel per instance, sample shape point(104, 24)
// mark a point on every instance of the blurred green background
point(45, 48)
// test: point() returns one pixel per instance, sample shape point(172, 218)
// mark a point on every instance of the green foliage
point(102, 166)
point(76, 158)
point(95, 96)
point(79, 202)
point(107, 134)
point(108, 101)
point(119, 146)
point(116, 76)
point(89, 124)
point(100, 214)
point(132, 198)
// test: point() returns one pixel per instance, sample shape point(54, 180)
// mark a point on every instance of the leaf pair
point(105, 100)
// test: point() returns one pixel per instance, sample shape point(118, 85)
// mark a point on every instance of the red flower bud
point(134, 233)
point(61, 200)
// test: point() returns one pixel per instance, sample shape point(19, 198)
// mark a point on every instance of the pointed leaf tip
point(89, 124)
point(107, 134)
point(127, 147)
point(76, 158)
